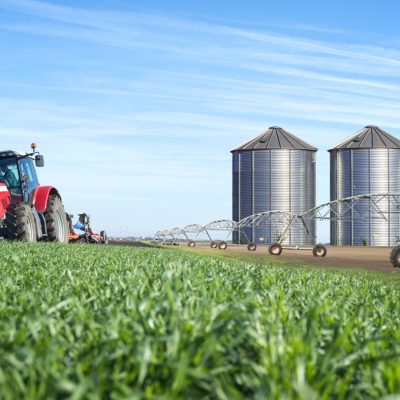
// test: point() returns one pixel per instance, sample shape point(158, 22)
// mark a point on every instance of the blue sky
point(136, 104)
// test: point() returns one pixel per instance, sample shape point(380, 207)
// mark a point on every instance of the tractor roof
point(12, 153)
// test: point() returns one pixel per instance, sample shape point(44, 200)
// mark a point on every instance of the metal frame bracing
point(380, 205)
point(224, 225)
point(193, 229)
point(281, 220)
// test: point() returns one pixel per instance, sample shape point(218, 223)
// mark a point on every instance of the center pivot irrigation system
point(365, 207)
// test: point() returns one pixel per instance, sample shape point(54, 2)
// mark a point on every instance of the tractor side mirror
point(39, 160)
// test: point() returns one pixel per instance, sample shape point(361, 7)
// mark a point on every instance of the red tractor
point(87, 235)
point(28, 211)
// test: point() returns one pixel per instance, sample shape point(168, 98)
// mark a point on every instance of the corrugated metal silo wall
point(364, 171)
point(246, 192)
point(394, 186)
point(273, 180)
point(235, 193)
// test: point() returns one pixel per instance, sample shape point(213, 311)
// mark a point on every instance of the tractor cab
point(18, 173)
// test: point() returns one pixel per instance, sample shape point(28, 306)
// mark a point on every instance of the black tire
point(319, 250)
point(275, 249)
point(103, 237)
point(395, 257)
point(56, 220)
point(191, 243)
point(20, 223)
point(222, 245)
point(83, 219)
point(214, 245)
point(251, 247)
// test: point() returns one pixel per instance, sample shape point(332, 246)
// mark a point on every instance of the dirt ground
point(369, 258)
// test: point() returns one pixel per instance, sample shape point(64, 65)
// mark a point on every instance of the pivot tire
point(213, 245)
point(222, 245)
point(395, 256)
point(103, 237)
point(56, 220)
point(275, 249)
point(191, 243)
point(20, 223)
point(251, 247)
point(319, 250)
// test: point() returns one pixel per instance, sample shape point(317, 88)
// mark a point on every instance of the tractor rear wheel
point(20, 223)
point(56, 220)
point(103, 237)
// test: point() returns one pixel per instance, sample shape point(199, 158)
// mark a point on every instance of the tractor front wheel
point(56, 220)
point(20, 223)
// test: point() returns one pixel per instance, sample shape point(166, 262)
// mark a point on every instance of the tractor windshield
point(9, 174)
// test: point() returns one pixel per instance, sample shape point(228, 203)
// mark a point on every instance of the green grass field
point(98, 322)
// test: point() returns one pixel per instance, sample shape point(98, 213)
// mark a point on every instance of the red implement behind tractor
point(29, 211)
point(88, 236)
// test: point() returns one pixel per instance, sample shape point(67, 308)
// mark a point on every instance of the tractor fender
point(41, 196)
point(4, 199)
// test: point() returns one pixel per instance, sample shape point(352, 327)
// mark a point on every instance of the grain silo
point(273, 171)
point(365, 163)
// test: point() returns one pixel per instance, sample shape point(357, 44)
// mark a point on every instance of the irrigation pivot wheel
point(395, 256)
point(319, 250)
point(191, 243)
point(251, 247)
point(275, 249)
point(222, 245)
point(213, 245)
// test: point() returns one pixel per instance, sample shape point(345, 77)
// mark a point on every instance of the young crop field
point(109, 322)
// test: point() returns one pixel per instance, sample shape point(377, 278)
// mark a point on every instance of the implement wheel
point(213, 245)
point(319, 250)
point(222, 245)
point(275, 249)
point(251, 247)
point(103, 237)
point(395, 257)
point(191, 243)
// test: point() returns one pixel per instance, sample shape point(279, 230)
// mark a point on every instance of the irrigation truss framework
point(364, 207)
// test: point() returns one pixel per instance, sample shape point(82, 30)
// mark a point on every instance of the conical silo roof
point(367, 138)
point(275, 137)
